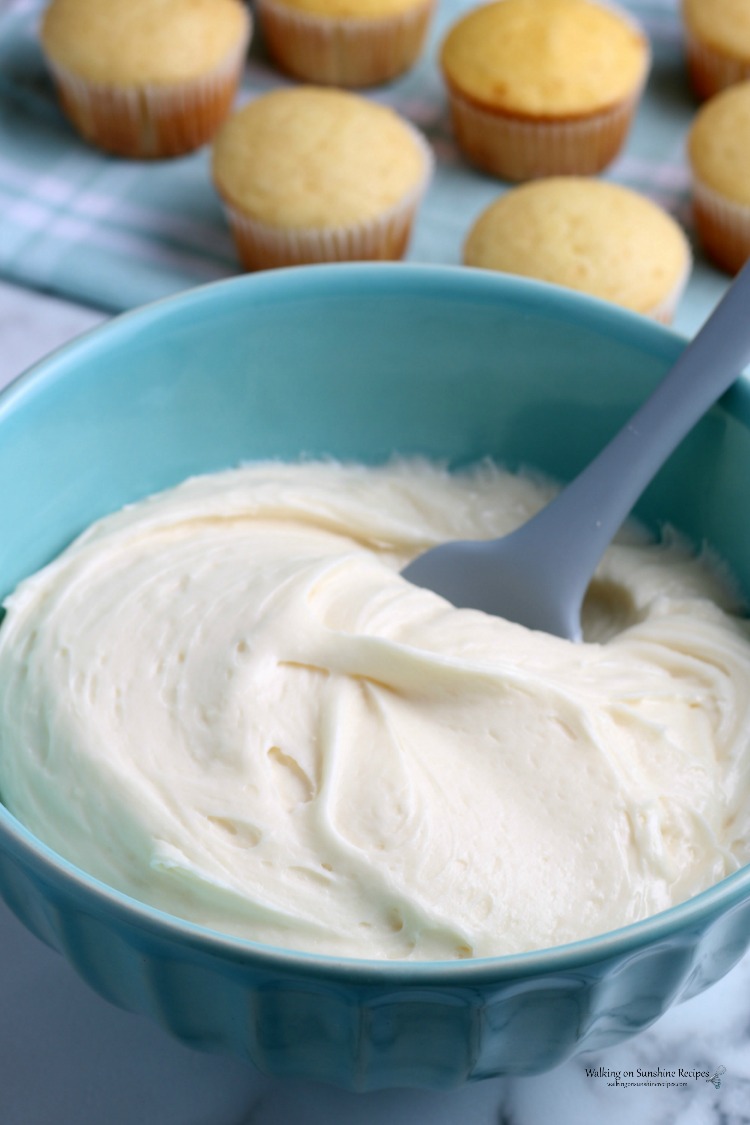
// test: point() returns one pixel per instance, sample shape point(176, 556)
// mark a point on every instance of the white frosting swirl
point(226, 702)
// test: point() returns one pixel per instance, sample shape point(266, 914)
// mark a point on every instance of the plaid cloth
point(115, 233)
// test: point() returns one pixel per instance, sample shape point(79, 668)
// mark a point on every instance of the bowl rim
point(106, 902)
point(317, 281)
point(325, 281)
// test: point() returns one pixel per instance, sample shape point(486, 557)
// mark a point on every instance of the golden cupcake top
point(317, 157)
point(557, 58)
point(351, 9)
point(721, 24)
point(586, 234)
point(719, 143)
point(143, 41)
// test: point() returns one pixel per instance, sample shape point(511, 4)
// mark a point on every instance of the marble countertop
point(69, 1058)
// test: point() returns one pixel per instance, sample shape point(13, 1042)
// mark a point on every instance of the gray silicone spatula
point(538, 575)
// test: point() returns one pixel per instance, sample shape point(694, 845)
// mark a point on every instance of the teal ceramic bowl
point(359, 362)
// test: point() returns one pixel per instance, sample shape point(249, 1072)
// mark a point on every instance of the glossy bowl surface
point(359, 362)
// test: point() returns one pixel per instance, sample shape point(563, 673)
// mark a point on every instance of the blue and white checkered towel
point(117, 233)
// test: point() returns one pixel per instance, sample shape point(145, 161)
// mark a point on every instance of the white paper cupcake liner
point(344, 52)
point(518, 148)
point(151, 120)
point(261, 245)
point(723, 227)
point(710, 70)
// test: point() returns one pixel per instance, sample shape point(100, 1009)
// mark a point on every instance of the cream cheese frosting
point(226, 702)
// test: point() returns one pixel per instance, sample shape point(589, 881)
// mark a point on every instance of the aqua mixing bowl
point(359, 362)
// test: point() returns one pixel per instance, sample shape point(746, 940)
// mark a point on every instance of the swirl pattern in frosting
point(226, 702)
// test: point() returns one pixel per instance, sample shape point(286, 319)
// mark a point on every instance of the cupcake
point(717, 38)
point(719, 156)
point(589, 235)
point(146, 78)
point(345, 42)
point(543, 87)
point(311, 174)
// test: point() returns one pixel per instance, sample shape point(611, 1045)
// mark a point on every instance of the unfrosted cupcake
point(311, 174)
point(146, 78)
point(717, 35)
point(345, 42)
point(543, 87)
point(589, 235)
point(719, 155)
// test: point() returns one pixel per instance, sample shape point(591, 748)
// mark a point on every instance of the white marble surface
point(68, 1058)
point(32, 325)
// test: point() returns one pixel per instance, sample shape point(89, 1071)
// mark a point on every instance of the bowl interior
point(356, 362)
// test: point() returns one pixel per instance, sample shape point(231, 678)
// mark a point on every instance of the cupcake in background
point(311, 174)
point(348, 43)
point(146, 78)
point(719, 157)
point(590, 235)
point(543, 87)
point(717, 39)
